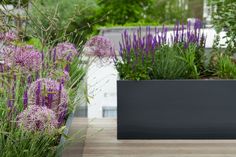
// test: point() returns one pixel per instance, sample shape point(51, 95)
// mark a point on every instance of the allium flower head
point(25, 57)
point(37, 118)
point(50, 93)
point(2, 36)
point(7, 54)
point(64, 51)
point(100, 46)
point(8, 36)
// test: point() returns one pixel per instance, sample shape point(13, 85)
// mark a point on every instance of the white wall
point(101, 86)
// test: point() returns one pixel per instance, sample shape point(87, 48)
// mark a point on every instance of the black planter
point(177, 109)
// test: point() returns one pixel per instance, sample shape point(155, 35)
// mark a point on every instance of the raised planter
point(66, 132)
point(177, 109)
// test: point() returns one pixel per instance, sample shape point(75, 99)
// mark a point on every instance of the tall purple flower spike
point(25, 99)
point(37, 118)
point(100, 46)
point(50, 93)
point(147, 44)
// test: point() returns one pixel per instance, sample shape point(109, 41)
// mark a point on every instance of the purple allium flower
point(25, 57)
point(64, 51)
point(7, 54)
point(8, 36)
point(51, 92)
point(37, 118)
point(2, 36)
point(99, 46)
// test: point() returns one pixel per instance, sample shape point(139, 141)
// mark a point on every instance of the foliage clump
point(177, 54)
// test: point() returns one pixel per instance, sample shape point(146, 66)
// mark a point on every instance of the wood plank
point(101, 141)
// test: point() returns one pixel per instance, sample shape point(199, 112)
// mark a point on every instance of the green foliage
point(168, 62)
point(136, 68)
point(16, 2)
point(225, 67)
point(15, 141)
point(192, 61)
point(62, 20)
point(176, 62)
point(21, 144)
point(166, 12)
point(224, 18)
point(124, 11)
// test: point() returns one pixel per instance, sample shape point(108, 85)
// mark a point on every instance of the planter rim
point(180, 80)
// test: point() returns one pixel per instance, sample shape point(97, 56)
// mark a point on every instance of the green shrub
point(124, 11)
point(65, 20)
point(170, 63)
point(224, 18)
point(16, 2)
point(154, 56)
point(166, 12)
point(225, 67)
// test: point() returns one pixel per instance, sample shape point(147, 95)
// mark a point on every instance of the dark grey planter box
point(177, 109)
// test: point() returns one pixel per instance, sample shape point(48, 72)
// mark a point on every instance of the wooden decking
point(101, 141)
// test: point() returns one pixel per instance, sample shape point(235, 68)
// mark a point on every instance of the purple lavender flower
point(25, 99)
point(64, 51)
point(143, 45)
point(51, 92)
point(99, 46)
point(37, 118)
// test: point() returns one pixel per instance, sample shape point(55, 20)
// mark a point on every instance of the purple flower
point(37, 118)
point(64, 52)
point(52, 93)
point(100, 46)
point(8, 36)
point(25, 58)
point(25, 99)
point(143, 45)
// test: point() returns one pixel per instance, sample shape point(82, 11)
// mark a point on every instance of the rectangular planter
point(66, 132)
point(176, 109)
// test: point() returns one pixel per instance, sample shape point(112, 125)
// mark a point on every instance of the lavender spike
point(25, 99)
